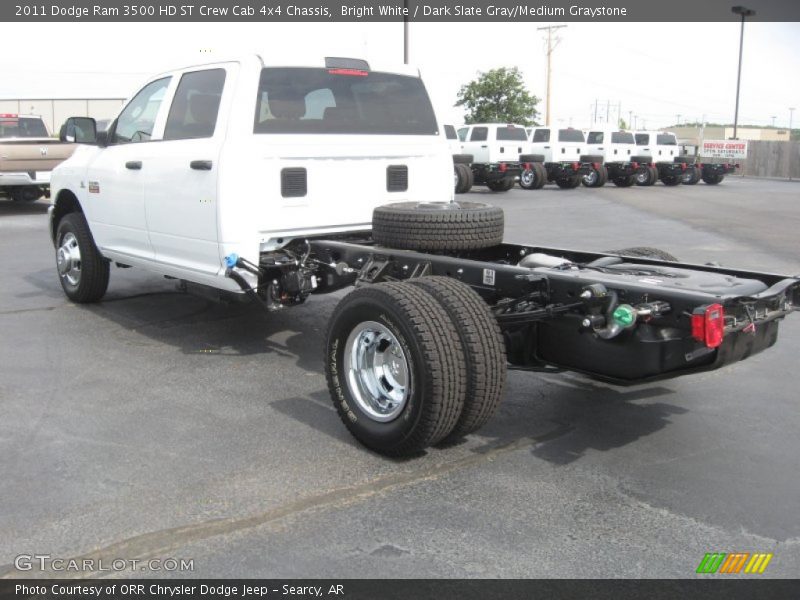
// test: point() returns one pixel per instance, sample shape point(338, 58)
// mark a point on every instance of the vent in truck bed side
point(396, 178)
point(294, 182)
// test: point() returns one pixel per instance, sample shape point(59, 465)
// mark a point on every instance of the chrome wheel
point(68, 259)
point(378, 372)
point(591, 178)
point(527, 178)
point(643, 176)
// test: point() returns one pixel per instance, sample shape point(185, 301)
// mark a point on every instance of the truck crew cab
point(564, 157)
point(497, 151)
point(658, 149)
point(272, 183)
point(618, 149)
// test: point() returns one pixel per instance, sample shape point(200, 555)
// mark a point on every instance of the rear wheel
point(713, 178)
point(459, 225)
point(469, 178)
point(691, 176)
point(624, 180)
point(533, 178)
point(568, 183)
point(26, 193)
point(596, 178)
point(647, 177)
point(395, 368)
point(82, 270)
point(483, 347)
point(501, 185)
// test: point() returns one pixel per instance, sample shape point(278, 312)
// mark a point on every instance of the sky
point(659, 72)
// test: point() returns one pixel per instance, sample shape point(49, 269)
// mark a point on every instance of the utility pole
point(773, 120)
point(608, 109)
point(550, 48)
point(630, 120)
point(679, 118)
point(595, 112)
point(405, 32)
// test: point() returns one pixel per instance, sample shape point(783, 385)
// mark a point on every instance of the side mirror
point(102, 139)
point(79, 130)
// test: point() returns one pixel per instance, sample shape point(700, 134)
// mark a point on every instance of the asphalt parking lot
point(160, 425)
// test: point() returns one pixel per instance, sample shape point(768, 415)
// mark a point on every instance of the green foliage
point(498, 96)
point(622, 124)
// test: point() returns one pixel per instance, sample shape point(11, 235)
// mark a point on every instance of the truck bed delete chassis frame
point(560, 317)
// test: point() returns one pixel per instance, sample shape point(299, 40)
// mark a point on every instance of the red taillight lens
point(353, 72)
point(503, 167)
point(576, 166)
point(708, 325)
point(635, 165)
point(526, 166)
point(596, 166)
point(683, 166)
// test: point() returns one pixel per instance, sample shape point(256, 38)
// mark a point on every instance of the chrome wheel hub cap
point(378, 372)
point(68, 259)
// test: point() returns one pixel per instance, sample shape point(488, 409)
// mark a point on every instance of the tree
point(498, 96)
point(622, 124)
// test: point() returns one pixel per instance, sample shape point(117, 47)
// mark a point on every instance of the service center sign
point(724, 149)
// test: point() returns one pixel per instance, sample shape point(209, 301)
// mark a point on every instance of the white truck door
point(542, 144)
point(115, 178)
point(479, 144)
point(181, 180)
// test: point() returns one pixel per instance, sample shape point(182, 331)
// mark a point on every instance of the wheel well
point(66, 202)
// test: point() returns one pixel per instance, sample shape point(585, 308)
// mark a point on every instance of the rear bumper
point(24, 178)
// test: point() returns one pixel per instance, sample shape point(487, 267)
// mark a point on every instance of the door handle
point(547, 147)
point(484, 146)
point(200, 165)
point(134, 165)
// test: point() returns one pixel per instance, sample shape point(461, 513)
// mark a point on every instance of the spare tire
point(645, 252)
point(459, 225)
point(531, 158)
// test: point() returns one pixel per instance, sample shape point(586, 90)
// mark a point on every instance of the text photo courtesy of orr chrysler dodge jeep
point(275, 182)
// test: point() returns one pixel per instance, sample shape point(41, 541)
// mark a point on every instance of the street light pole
point(405, 32)
point(743, 12)
point(791, 110)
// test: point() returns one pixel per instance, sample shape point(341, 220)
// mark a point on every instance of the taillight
point(683, 166)
point(503, 167)
point(576, 166)
point(352, 72)
point(526, 166)
point(596, 166)
point(708, 325)
point(635, 165)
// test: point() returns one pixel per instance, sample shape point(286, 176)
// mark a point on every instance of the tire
point(83, 272)
point(483, 347)
point(457, 179)
point(469, 178)
point(543, 177)
point(624, 181)
point(501, 185)
point(533, 178)
point(691, 176)
point(672, 180)
point(416, 400)
point(647, 177)
point(569, 183)
point(645, 252)
point(460, 225)
point(713, 178)
point(26, 193)
point(597, 178)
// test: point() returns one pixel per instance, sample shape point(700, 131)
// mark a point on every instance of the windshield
point(343, 101)
point(511, 133)
point(642, 139)
point(570, 135)
point(23, 127)
point(622, 137)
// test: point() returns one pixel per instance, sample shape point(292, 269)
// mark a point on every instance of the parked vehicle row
point(498, 154)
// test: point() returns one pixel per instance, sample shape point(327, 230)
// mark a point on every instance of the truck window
point(622, 137)
point(135, 123)
point(193, 113)
point(642, 139)
point(450, 132)
point(541, 135)
point(462, 134)
point(24, 127)
point(479, 134)
point(511, 134)
point(342, 101)
point(666, 139)
point(595, 137)
point(570, 135)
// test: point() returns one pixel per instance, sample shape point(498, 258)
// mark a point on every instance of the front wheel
point(395, 368)
point(26, 193)
point(82, 270)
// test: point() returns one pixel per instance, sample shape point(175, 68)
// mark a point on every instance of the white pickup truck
point(618, 150)
point(565, 159)
point(498, 151)
point(271, 183)
point(660, 150)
